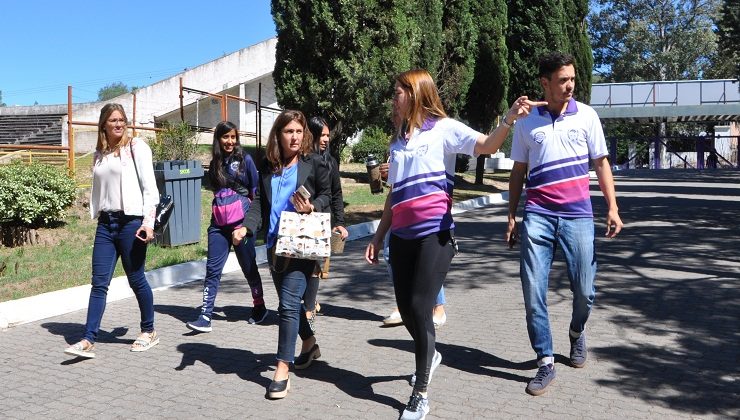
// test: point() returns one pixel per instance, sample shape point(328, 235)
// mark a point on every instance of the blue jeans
point(540, 238)
point(440, 300)
point(290, 276)
point(116, 236)
point(219, 245)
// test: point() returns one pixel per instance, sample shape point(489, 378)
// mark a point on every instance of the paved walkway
point(664, 334)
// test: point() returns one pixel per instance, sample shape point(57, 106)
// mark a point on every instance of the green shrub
point(374, 141)
point(175, 142)
point(34, 194)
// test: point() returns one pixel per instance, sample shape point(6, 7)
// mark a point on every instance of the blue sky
point(89, 44)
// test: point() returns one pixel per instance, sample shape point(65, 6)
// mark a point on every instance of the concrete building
point(239, 74)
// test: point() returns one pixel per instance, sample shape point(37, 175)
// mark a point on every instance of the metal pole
point(182, 110)
point(70, 134)
point(258, 128)
point(133, 126)
point(224, 108)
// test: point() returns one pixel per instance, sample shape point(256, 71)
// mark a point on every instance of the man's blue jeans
point(290, 276)
point(114, 237)
point(540, 238)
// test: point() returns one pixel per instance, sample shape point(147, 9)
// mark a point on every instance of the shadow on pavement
point(351, 383)
point(674, 272)
point(73, 332)
point(469, 360)
point(350, 314)
point(246, 365)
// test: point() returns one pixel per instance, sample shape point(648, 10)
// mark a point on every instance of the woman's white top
point(107, 183)
point(115, 186)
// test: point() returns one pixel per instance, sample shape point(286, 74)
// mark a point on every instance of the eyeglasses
point(116, 120)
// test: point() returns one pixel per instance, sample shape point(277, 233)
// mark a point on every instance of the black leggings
point(419, 270)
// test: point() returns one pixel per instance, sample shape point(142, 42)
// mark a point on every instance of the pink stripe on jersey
point(569, 198)
point(418, 210)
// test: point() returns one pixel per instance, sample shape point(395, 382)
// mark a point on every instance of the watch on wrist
point(506, 123)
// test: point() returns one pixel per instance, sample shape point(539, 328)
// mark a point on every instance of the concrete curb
point(34, 308)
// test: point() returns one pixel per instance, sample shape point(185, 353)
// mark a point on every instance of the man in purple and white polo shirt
point(552, 149)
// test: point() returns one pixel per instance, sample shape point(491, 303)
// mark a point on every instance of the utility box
point(182, 180)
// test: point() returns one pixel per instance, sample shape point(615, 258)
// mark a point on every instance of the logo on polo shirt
point(539, 137)
point(573, 134)
point(422, 150)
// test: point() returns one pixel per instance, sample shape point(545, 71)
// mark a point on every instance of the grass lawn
point(62, 259)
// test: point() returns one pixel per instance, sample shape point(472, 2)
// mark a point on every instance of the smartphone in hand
point(303, 192)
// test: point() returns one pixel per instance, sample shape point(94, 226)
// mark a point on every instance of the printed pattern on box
point(305, 236)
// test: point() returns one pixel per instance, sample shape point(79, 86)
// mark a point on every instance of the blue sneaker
point(538, 385)
point(416, 409)
point(202, 324)
point(578, 352)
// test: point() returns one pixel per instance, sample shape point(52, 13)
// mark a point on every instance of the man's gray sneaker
point(538, 385)
point(578, 352)
point(416, 409)
point(436, 360)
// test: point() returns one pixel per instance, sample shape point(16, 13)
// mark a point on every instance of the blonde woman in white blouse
point(125, 208)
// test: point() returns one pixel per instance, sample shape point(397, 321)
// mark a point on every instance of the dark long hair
point(316, 126)
point(216, 169)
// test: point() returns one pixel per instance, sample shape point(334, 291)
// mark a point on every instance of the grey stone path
point(663, 336)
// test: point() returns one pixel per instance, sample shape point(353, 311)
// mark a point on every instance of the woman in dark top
point(233, 177)
point(288, 165)
point(320, 132)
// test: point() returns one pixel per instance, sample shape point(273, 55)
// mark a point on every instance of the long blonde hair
point(274, 147)
point(105, 113)
point(424, 97)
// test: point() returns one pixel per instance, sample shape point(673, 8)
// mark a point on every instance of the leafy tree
point(337, 58)
point(727, 61)
point(460, 47)
point(428, 35)
point(487, 92)
point(576, 12)
point(1, 99)
point(112, 90)
point(653, 39)
point(535, 27)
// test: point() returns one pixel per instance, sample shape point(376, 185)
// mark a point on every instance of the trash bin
point(182, 180)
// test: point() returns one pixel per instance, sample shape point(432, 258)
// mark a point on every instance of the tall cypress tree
point(535, 27)
point(580, 46)
point(427, 35)
point(337, 58)
point(488, 90)
point(460, 48)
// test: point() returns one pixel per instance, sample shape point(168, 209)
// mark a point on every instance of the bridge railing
point(668, 93)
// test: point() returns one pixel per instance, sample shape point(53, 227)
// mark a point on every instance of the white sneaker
point(417, 408)
point(393, 319)
point(436, 360)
